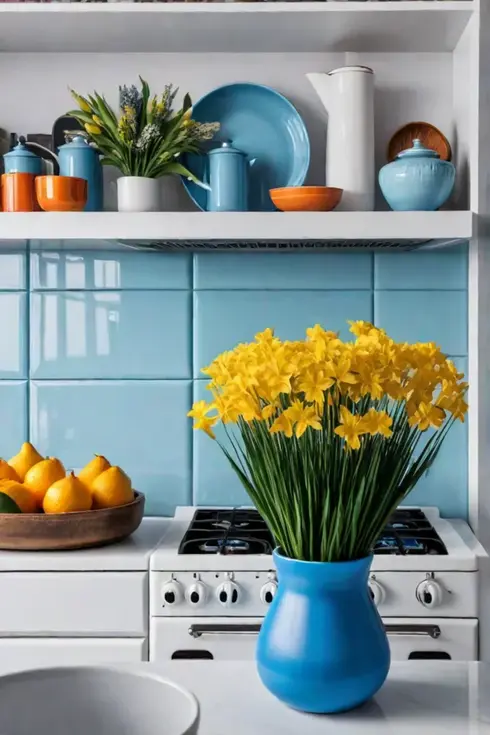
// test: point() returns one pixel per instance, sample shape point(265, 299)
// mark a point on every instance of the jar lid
point(78, 141)
point(418, 150)
point(20, 151)
point(226, 147)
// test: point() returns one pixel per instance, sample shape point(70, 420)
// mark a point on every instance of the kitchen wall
point(101, 350)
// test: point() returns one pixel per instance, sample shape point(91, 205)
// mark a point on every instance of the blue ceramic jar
point(228, 179)
point(78, 158)
point(417, 180)
point(322, 647)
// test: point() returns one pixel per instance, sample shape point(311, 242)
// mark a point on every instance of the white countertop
point(419, 698)
point(132, 554)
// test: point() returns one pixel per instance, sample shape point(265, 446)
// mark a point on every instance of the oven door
point(235, 638)
point(223, 639)
point(432, 639)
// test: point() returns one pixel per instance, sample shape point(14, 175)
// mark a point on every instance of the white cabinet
point(81, 604)
point(31, 653)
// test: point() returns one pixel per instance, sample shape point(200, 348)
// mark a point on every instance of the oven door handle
point(197, 630)
point(417, 629)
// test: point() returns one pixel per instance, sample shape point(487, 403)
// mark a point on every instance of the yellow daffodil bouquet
point(331, 434)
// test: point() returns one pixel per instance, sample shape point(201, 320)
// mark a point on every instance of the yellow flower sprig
point(287, 385)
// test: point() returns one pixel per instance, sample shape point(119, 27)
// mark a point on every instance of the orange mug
point(19, 193)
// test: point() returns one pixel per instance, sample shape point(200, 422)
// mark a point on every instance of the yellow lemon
point(40, 477)
point(7, 472)
point(93, 469)
point(111, 488)
point(67, 496)
point(25, 459)
point(20, 495)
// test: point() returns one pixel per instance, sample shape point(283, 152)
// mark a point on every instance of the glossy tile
point(213, 480)
point(13, 426)
point(425, 270)
point(283, 271)
point(445, 484)
point(425, 316)
point(112, 334)
point(85, 270)
point(140, 425)
point(13, 336)
point(222, 319)
point(12, 268)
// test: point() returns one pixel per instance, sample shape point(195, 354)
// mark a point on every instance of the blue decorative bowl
point(417, 180)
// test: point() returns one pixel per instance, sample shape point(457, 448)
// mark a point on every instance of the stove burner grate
point(228, 546)
point(243, 531)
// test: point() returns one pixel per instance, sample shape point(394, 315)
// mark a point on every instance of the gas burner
point(243, 531)
point(235, 531)
point(225, 546)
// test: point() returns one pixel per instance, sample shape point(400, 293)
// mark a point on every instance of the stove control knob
point(172, 593)
point(429, 593)
point(228, 594)
point(267, 592)
point(377, 592)
point(196, 594)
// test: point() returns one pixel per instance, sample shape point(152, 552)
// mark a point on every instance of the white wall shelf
point(269, 230)
point(394, 25)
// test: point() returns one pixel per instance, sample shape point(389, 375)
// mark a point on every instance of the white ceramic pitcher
point(347, 94)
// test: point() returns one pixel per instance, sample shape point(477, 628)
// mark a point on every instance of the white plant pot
point(138, 194)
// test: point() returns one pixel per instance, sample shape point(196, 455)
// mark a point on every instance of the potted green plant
point(328, 437)
point(144, 140)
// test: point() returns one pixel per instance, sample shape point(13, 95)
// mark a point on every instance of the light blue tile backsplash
point(101, 351)
point(140, 425)
point(223, 318)
point(99, 334)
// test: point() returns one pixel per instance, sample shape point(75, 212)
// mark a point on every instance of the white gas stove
point(212, 579)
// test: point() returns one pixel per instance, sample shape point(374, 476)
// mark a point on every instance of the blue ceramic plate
point(264, 125)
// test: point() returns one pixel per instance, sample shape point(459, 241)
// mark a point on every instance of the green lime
point(7, 505)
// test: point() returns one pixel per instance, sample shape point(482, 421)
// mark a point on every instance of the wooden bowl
point(62, 531)
point(61, 193)
point(430, 136)
point(306, 198)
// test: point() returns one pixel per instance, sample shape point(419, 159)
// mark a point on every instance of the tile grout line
point(193, 359)
point(373, 288)
point(28, 337)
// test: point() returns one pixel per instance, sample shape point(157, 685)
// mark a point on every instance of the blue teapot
point(24, 159)
point(417, 180)
point(227, 174)
point(75, 158)
point(78, 158)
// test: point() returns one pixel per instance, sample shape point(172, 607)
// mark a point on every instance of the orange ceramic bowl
point(306, 198)
point(61, 193)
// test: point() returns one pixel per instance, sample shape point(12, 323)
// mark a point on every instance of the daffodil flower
point(376, 422)
point(205, 424)
point(427, 415)
point(282, 425)
point(200, 409)
point(350, 428)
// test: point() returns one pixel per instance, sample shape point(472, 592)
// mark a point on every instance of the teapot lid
point(78, 141)
point(226, 147)
point(418, 150)
point(20, 150)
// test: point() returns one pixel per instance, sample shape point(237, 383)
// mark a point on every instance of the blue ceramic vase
point(417, 180)
point(322, 647)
